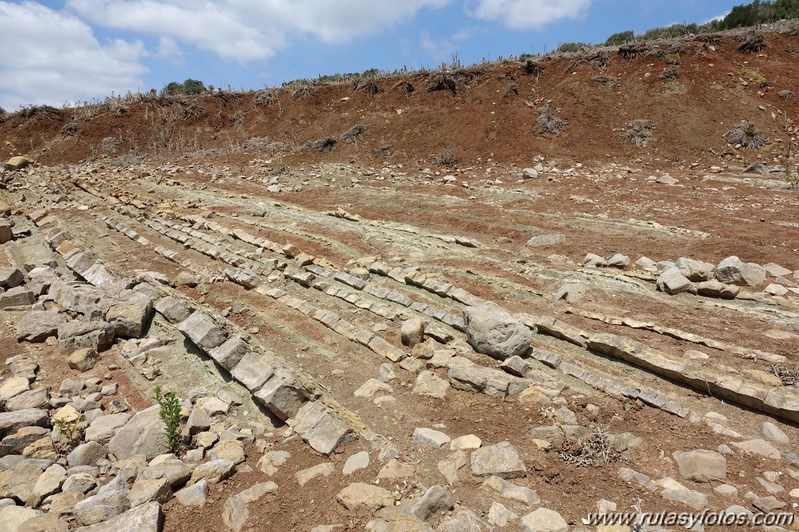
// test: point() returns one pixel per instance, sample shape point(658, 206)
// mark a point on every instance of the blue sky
point(58, 52)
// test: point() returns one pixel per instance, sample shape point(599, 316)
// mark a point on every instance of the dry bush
point(549, 123)
point(639, 132)
point(752, 44)
point(599, 59)
point(787, 376)
point(323, 145)
point(40, 111)
point(633, 50)
point(786, 95)
point(301, 90)
point(441, 81)
point(266, 97)
point(70, 129)
point(108, 145)
point(746, 135)
point(354, 133)
point(669, 74)
point(404, 86)
point(708, 38)
point(447, 157)
point(531, 68)
point(513, 88)
point(369, 86)
point(383, 151)
point(594, 451)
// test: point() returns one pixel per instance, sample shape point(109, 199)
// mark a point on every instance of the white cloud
point(248, 30)
point(718, 17)
point(51, 57)
point(527, 14)
point(168, 49)
point(444, 48)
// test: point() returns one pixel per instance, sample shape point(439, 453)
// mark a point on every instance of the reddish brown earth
point(196, 166)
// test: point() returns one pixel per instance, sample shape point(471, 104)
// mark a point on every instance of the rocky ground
point(395, 348)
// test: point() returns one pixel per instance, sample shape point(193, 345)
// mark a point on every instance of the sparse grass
point(756, 77)
point(746, 135)
point(549, 123)
point(639, 132)
point(170, 415)
point(447, 157)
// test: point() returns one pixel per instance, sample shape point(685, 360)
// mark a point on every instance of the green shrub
point(620, 38)
point(570, 47)
point(170, 415)
point(190, 87)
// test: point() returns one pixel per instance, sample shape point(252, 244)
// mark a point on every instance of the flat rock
point(13, 517)
point(360, 496)
point(150, 490)
point(468, 442)
point(571, 293)
point(451, 466)
point(546, 240)
point(18, 296)
point(38, 325)
point(88, 453)
point(511, 491)
point(463, 521)
point(13, 386)
point(143, 434)
point(500, 459)
point(144, 518)
point(356, 462)
point(773, 433)
point(324, 469)
point(430, 437)
point(543, 520)
point(10, 422)
point(235, 511)
point(759, 447)
point(434, 500)
point(430, 385)
point(194, 495)
point(271, 460)
point(701, 465)
point(213, 471)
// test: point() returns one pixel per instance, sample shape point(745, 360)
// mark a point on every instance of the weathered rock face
point(144, 518)
point(202, 330)
point(493, 331)
point(501, 460)
point(143, 434)
point(733, 270)
point(130, 317)
point(360, 496)
point(17, 163)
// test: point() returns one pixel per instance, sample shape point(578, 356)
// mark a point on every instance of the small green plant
point(673, 59)
point(756, 77)
point(170, 415)
point(71, 429)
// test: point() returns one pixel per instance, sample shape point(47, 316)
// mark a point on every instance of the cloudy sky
point(62, 51)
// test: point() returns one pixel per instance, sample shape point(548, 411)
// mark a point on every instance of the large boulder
point(131, 316)
point(17, 163)
point(733, 270)
point(144, 518)
point(495, 332)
